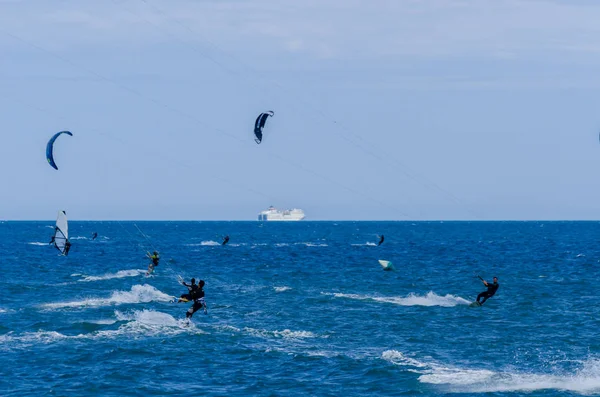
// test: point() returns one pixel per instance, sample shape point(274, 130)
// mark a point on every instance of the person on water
point(67, 247)
point(198, 298)
point(225, 240)
point(381, 240)
point(192, 289)
point(154, 258)
point(491, 291)
point(94, 236)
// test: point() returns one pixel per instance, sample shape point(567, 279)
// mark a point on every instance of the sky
point(384, 109)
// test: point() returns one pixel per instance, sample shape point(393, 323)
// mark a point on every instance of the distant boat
point(273, 214)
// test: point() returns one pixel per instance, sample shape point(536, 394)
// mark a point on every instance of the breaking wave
point(138, 294)
point(585, 380)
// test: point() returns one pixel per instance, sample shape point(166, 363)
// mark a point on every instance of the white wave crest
point(144, 323)
point(38, 243)
point(282, 289)
point(430, 299)
point(285, 334)
point(586, 380)
point(309, 244)
point(138, 294)
point(367, 244)
point(119, 274)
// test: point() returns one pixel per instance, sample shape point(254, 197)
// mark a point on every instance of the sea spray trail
point(138, 294)
point(312, 320)
point(119, 274)
point(585, 379)
point(430, 299)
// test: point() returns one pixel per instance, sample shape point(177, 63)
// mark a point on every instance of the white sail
point(61, 231)
point(387, 265)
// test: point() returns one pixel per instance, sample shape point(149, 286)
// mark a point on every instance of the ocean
point(301, 309)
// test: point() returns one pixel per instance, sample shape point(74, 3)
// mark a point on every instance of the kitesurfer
point(197, 296)
point(192, 288)
point(154, 257)
point(381, 238)
point(491, 290)
point(225, 240)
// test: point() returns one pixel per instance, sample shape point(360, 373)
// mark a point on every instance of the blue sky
point(466, 109)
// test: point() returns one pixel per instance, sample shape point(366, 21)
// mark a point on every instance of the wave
point(309, 244)
point(263, 333)
point(138, 294)
point(282, 289)
point(585, 380)
point(137, 324)
point(430, 299)
point(119, 274)
point(38, 243)
point(367, 244)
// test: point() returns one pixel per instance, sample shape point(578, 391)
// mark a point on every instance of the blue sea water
point(301, 309)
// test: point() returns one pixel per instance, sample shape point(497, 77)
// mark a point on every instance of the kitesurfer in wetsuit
point(225, 240)
point(199, 302)
point(381, 240)
point(192, 289)
point(491, 290)
point(67, 247)
point(94, 236)
point(154, 258)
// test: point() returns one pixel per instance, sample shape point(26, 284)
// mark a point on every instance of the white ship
point(273, 214)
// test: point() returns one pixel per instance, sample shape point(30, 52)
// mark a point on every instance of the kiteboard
point(475, 304)
point(387, 265)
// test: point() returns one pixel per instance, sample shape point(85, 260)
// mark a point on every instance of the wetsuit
point(94, 236)
point(192, 292)
point(67, 247)
point(199, 303)
point(225, 240)
point(491, 291)
point(155, 259)
point(381, 240)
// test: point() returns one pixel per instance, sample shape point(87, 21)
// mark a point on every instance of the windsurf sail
point(259, 124)
point(387, 265)
point(61, 232)
point(50, 148)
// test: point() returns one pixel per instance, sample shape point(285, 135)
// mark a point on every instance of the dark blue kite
point(50, 146)
point(260, 124)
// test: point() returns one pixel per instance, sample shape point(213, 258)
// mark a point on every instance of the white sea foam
point(137, 294)
point(430, 299)
point(282, 289)
point(119, 274)
point(285, 334)
point(367, 244)
point(309, 244)
point(586, 380)
point(38, 243)
point(263, 333)
point(142, 323)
